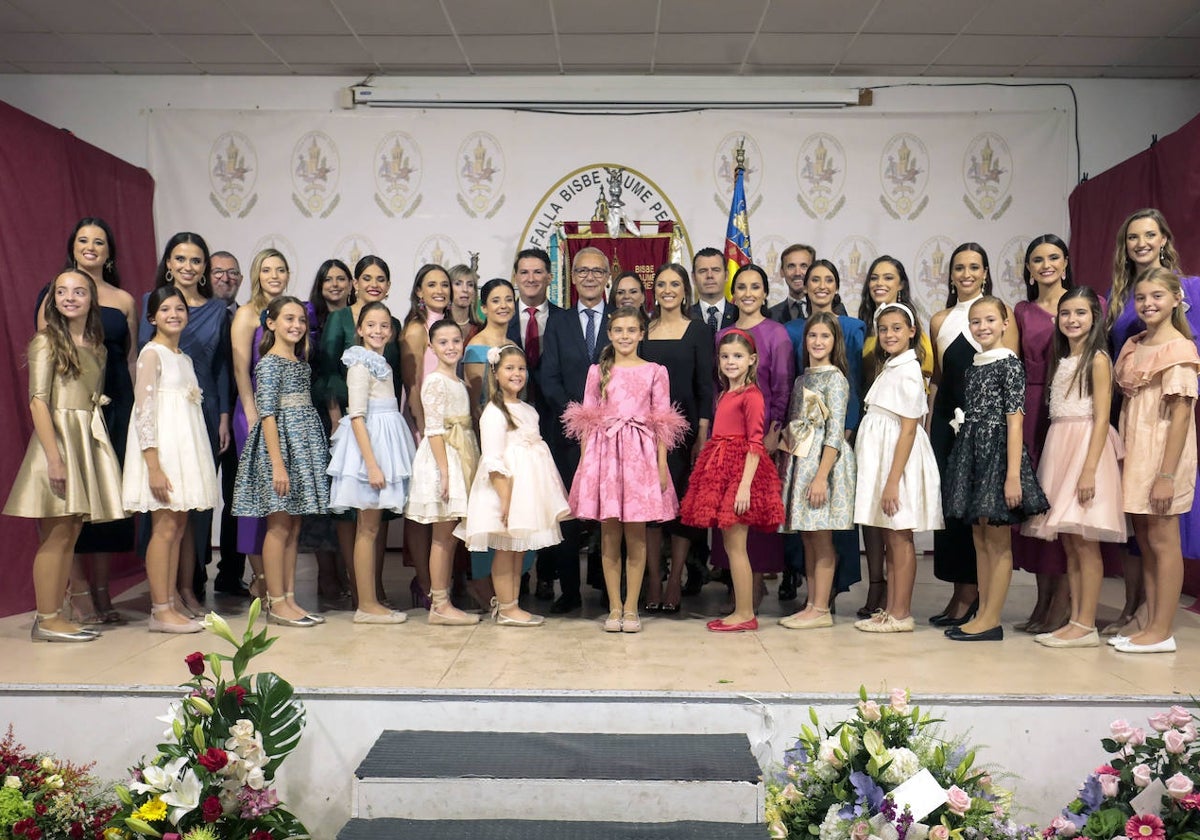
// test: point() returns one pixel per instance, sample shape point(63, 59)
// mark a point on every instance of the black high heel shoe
point(943, 620)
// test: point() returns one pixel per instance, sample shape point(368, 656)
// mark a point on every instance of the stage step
point(559, 777)
point(393, 829)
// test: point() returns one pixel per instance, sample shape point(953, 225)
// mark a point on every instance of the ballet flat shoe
point(957, 634)
point(159, 626)
point(279, 620)
point(889, 624)
point(1113, 641)
point(40, 634)
point(612, 625)
point(464, 620)
point(791, 622)
point(630, 623)
point(532, 621)
point(1165, 646)
point(718, 625)
point(392, 617)
point(1092, 639)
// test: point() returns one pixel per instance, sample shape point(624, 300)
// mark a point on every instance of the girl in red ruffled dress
point(734, 485)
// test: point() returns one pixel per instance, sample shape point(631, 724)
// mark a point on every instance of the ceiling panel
point(1152, 72)
point(488, 17)
point(290, 17)
point(13, 19)
point(141, 68)
point(1171, 52)
point(1119, 18)
point(610, 16)
point(798, 49)
point(922, 16)
point(880, 69)
point(82, 16)
point(1191, 29)
point(416, 17)
point(512, 50)
point(123, 48)
point(276, 68)
point(623, 49)
point(896, 49)
point(209, 49)
point(65, 68)
point(185, 18)
point(974, 70)
point(817, 16)
point(714, 16)
point(1095, 52)
point(1028, 17)
point(701, 49)
point(318, 49)
point(995, 50)
point(697, 69)
point(408, 50)
point(35, 46)
point(1064, 71)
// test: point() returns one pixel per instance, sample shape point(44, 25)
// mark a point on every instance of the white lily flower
point(174, 713)
point(183, 797)
point(158, 779)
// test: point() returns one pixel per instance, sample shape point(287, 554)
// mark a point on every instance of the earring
point(170, 278)
point(1162, 253)
point(109, 265)
point(203, 281)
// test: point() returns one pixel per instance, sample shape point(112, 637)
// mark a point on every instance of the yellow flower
point(154, 809)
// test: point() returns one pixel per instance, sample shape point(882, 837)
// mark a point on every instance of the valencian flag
point(737, 232)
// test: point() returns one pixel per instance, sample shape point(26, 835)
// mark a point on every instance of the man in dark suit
point(531, 278)
point(709, 275)
point(793, 265)
point(572, 343)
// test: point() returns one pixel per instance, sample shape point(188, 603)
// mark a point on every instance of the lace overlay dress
point(447, 408)
point(168, 416)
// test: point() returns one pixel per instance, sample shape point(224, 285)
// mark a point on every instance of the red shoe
point(718, 625)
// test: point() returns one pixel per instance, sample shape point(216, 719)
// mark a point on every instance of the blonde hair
point(1169, 280)
point(1123, 277)
point(609, 355)
point(258, 298)
point(58, 330)
point(495, 395)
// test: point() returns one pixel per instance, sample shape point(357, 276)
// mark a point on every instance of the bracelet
point(1167, 476)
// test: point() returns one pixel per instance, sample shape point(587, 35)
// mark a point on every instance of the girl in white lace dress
point(169, 468)
point(445, 462)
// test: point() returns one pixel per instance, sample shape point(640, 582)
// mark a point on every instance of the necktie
point(533, 346)
point(795, 307)
point(712, 318)
point(589, 337)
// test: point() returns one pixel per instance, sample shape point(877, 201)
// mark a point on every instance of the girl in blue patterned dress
point(818, 467)
point(989, 480)
point(281, 473)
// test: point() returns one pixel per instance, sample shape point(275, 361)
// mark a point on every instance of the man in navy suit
point(793, 265)
point(572, 343)
point(709, 274)
point(531, 278)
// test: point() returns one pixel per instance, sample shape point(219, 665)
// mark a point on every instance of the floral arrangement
point(43, 798)
point(886, 774)
point(1147, 791)
point(212, 779)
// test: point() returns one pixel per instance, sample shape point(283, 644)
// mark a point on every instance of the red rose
point(261, 834)
point(76, 831)
point(40, 809)
point(211, 809)
point(238, 692)
point(195, 663)
point(213, 759)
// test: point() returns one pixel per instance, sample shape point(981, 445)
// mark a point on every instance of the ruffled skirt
point(1063, 454)
point(714, 483)
point(393, 447)
point(537, 505)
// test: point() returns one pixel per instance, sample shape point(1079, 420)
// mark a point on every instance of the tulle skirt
point(714, 483)
point(1063, 454)
point(393, 447)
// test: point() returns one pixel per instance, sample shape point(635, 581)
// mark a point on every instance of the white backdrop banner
point(434, 186)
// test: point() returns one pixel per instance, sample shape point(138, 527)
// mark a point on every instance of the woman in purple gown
point(776, 373)
point(1145, 241)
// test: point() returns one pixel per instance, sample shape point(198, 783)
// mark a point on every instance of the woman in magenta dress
point(776, 372)
point(1047, 272)
point(1145, 241)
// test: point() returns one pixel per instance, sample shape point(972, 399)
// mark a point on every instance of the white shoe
point(392, 617)
point(1165, 646)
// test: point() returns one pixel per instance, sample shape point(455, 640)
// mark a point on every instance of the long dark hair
point(867, 304)
point(272, 314)
point(184, 238)
point(109, 272)
point(837, 280)
point(1095, 342)
point(491, 286)
point(952, 295)
point(1068, 282)
point(366, 310)
point(160, 294)
point(416, 306)
point(837, 356)
point(317, 299)
point(757, 269)
point(685, 308)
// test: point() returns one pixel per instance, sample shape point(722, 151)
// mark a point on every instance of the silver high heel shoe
point(40, 634)
point(272, 618)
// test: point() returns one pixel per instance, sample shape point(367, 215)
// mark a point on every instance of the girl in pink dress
point(1079, 467)
point(1157, 372)
point(625, 426)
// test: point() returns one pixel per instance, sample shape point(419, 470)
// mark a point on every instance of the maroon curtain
point(626, 252)
point(51, 180)
point(1166, 176)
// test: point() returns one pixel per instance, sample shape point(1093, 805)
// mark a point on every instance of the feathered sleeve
point(665, 420)
point(493, 439)
point(580, 420)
